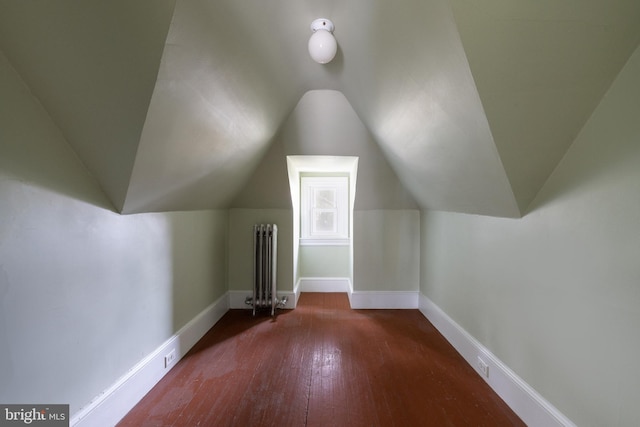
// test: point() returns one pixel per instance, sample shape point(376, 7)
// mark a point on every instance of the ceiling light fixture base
point(322, 24)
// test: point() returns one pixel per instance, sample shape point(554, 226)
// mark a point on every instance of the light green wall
point(324, 261)
point(241, 223)
point(198, 261)
point(556, 294)
point(85, 293)
point(386, 250)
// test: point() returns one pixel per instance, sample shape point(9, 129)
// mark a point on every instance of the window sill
point(324, 242)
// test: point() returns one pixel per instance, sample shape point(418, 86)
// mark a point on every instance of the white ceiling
point(172, 105)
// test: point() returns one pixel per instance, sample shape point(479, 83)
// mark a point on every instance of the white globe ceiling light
point(322, 44)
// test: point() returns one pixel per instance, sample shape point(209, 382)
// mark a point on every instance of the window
point(324, 210)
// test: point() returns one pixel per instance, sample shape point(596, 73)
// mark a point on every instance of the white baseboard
point(237, 299)
point(532, 408)
point(113, 404)
point(324, 284)
point(384, 299)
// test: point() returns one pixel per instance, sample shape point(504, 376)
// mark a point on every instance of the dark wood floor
point(322, 364)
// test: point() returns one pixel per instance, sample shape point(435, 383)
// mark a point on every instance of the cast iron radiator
point(265, 257)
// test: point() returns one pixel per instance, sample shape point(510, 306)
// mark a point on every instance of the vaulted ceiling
point(173, 104)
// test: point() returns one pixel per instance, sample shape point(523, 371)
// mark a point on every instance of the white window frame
point(309, 188)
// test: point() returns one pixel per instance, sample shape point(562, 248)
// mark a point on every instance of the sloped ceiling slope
point(541, 67)
point(232, 71)
point(93, 66)
point(324, 124)
point(173, 108)
point(223, 89)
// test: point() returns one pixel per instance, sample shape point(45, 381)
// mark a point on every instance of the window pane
point(324, 221)
point(325, 198)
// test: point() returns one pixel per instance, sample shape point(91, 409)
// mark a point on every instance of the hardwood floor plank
point(318, 365)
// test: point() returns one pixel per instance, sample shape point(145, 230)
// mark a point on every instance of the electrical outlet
point(483, 367)
point(170, 358)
